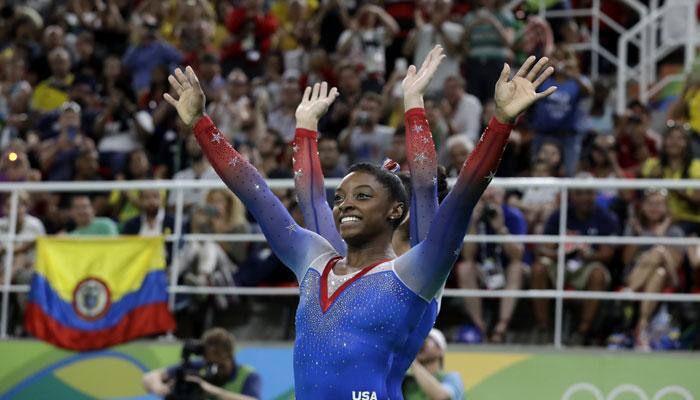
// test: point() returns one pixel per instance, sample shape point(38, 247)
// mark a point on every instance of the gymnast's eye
point(362, 196)
point(337, 199)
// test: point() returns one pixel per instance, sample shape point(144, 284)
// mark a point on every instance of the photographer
point(215, 376)
point(427, 379)
point(494, 265)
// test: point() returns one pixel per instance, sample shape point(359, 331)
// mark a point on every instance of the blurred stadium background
point(600, 184)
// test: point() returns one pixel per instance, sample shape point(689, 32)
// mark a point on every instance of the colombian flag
point(91, 293)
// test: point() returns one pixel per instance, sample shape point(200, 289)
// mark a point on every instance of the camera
point(208, 371)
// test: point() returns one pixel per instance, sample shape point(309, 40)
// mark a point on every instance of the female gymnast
point(423, 197)
point(346, 337)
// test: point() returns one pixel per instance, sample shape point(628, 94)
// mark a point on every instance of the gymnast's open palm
point(416, 81)
point(190, 97)
point(315, 102)
point(515, 96)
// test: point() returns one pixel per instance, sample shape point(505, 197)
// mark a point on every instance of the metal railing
point(651, 34)
point(558, 293)
point(597, 16)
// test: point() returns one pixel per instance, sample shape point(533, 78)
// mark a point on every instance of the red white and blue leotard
point(346, 341)
point(422, 159)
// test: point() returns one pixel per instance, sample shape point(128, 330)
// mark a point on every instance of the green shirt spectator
point(86, 223)
point(427, 379)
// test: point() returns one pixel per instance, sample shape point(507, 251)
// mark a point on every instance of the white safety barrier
point(178, 188)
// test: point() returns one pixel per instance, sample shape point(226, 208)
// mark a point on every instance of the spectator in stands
point(121, 128)
point(57, 155)
point(125, 204)
point(350, 88)
point(551, 153)
point(599, 117)
point(147, 51)
point(675, 161)
point(535, 38)
point(635, 142)
point(204, 263)
point(538, 203)
point(427, 378)
point(271, 148)
point(240, 382)
point(558, 117)
point(457, 149)
point(433, 27)
point(14, 164)
point(282, 119)
point(230, 218)
point(24, 253)
point(493, 265)
point(329, 156)
point(24, 250)
point(297, 27)
point(199, 168)
point(439, 126)
point(83, 216)
point(52, 92)
point(463, 110)
point(365, 140)
point(364, 41)
point(235, 109)
point(15, 97)
point(209, 73)
point(688, 109)
point(651, 268)
point(586, 266)
point(600, 160)
point(153, 220)
point(251, 30)
point(488, 35)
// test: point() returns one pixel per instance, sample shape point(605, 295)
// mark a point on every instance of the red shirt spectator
point(251, 33)
point(635, 145)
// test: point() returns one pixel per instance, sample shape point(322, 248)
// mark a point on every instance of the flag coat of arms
point(91, 293)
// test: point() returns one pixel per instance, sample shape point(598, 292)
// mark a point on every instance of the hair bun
point(391, 166)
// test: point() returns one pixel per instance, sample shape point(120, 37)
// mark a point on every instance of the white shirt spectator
point(466, 119)
point(192, 196)
point(32, 226)
point(426, 39)
point(367, 48)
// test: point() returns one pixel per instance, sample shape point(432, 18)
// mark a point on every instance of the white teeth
point(349, 219)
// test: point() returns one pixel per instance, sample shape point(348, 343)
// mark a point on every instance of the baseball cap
point(438, 338)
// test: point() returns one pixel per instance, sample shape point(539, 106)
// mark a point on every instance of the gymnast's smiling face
point(364, 209)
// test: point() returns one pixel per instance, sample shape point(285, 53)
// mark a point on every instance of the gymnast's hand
point(190, 102)
point(416, 81)
point(313, 105)
point(515, 96)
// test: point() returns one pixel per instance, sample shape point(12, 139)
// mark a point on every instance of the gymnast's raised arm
point(308, 175)
point(425, 267)
point(295, 246)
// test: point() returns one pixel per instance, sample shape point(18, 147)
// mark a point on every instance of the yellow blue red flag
point(91, 293)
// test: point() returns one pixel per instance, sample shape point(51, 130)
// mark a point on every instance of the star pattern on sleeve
point(234, 161)
point(216, 137)
point(420, 158)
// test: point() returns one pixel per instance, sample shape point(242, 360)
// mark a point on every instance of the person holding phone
point(57, 155)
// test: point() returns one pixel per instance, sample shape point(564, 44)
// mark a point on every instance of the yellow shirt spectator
point(692, 99)
point(681, 209)
point(51, 93)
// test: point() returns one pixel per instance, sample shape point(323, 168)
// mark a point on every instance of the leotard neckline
point(327, 302)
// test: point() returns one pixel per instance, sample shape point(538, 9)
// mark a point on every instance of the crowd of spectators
point(81, 99)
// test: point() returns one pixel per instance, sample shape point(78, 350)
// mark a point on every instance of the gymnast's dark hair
point(390, 181)
point(442, 188)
